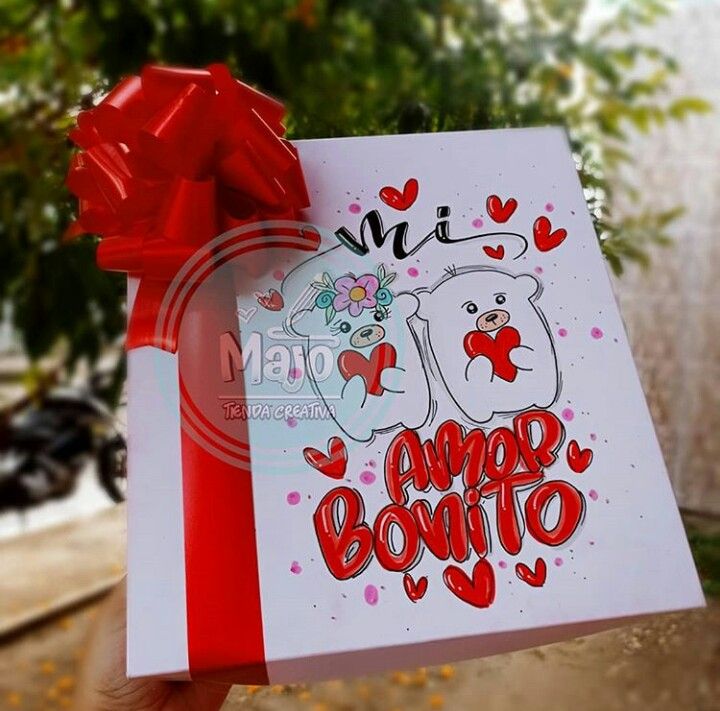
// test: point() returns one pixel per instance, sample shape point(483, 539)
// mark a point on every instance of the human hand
point(103, 685)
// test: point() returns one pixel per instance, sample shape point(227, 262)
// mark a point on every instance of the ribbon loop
point(170, 159)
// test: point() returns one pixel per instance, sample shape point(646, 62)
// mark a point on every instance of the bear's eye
point(471, 308)
point(379, 316)
point(345, 327)
point(500, 299)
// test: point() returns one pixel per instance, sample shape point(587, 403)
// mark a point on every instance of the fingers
point(103, 669)
point(104, 685)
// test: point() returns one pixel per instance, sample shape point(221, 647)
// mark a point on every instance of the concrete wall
point(673, 311)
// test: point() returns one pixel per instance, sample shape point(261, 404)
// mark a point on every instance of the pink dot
point(593, 494)
point(295, 373)
point(596, 332)
point(372, 463)
point(278, 274)
point(592, 543)
point(502, 564)
point(558, 562)
point(293, 498)
point(567, 414)
point(562, 332)
point(371, 595)
point(367, 477)
point(549, 207)
point(295, 568)
point(593, 436)
point(354, 208)
point(538, 270)
point(413, 272)
point(291, 422)
point(477, 222)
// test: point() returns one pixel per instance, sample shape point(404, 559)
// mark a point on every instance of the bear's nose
point(367, 335)
point(492, 320)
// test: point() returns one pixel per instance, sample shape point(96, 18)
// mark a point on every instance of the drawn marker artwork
point(469, 436)
point(429, 367)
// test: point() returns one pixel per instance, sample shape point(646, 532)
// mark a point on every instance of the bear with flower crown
point(378, 382)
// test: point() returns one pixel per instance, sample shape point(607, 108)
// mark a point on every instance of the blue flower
point(324, 299)
point(384, 297)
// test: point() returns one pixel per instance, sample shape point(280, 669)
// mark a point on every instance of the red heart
point(272, 301)
point(332, 464)
point(480, 591)
point(495, 252)
point(578, 459)
point(400, 200)
point(352, 363)
point(415, 591)
point(535, 578)
point(497, 350)
point(545, 240)
point(498, 211)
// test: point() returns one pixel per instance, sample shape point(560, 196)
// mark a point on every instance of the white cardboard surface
point(156, 619)
point(629, 556)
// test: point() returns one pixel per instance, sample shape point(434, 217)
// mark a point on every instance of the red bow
point(171, 159)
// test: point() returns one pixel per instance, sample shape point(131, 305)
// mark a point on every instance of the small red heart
point(499, 211)
point(272, 301)
point(495, 252)
point(535, 578)
point(352, 363)
point(578, 459)
point(545, 240)
point(480, 591)
point(496, 350)
point(414, 590)
point(400, 200)
point(333, 464)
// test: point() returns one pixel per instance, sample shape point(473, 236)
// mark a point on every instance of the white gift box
point(329, 489)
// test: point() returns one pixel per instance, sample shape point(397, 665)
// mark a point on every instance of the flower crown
point(355, 294)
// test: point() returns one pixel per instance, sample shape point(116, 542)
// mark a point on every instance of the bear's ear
point(295, 324)
point(406, 304)
point(304, 317)
point(424, 307)
point(528, 285)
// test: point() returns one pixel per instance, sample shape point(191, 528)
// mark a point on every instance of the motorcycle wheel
point(112, 468)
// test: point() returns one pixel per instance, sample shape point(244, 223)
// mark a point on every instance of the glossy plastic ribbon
point(169, 160)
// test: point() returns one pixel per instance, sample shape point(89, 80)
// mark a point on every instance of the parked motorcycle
point(47, 440)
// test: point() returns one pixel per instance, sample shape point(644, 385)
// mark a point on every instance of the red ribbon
point(171, 159)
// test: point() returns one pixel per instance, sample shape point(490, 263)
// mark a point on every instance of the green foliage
point(705, 545)
point(344, 67)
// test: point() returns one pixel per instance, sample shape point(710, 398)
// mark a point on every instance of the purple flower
point(356, 294)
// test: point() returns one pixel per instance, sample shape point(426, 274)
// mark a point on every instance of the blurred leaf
point(680, 108)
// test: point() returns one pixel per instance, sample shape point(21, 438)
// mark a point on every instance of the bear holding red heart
point(489, 342)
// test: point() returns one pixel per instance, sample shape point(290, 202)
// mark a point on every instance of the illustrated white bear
point(378, 382)
point(490, 343)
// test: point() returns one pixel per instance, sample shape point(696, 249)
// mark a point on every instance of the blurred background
point(635, 83)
